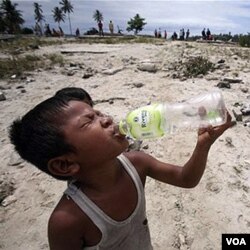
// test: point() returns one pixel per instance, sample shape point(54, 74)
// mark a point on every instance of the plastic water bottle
point(158, 119)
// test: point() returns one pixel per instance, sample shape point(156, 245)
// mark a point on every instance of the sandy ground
point(179, 218)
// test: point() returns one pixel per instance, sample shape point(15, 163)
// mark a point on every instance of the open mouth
point(117, 132)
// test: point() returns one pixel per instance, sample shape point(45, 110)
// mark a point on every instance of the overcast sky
point(220, 16)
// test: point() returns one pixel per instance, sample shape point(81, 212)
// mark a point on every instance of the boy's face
point(94, 136)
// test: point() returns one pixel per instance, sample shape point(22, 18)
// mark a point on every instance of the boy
point(104, 205)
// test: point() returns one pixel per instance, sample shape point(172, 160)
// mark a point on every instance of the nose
point(106, 121)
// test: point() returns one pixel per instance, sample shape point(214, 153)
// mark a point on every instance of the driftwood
point(216, 42)
point(7, 37)
point(110, 100)
point(82, 51)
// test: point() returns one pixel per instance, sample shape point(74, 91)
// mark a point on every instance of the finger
point(225, 126)
point(229, 123)
point(229, 117)
point(202, 130)
point(233, 123)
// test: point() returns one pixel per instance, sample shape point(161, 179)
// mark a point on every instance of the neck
point(101, 178)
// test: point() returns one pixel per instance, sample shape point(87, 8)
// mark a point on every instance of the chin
point(125, 147)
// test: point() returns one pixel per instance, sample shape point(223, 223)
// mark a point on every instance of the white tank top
point(130, 234)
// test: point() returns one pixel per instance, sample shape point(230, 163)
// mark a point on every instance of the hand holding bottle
point(208, 135)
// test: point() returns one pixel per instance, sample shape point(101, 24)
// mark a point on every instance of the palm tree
point(98, 17)
point(11, 18)
point(58, 15)
point(39, 17)
point(67, 7)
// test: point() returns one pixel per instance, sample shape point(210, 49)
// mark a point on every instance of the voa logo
point(236, 241)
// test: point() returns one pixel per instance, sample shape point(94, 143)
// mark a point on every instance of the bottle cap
point(123, 129)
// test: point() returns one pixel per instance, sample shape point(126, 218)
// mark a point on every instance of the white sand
point(179, 218)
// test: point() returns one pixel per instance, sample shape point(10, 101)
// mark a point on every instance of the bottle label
point(145, 122)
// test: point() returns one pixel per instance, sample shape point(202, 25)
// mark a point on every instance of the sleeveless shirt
point(129, 234)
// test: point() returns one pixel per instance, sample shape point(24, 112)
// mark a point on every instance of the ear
point(62, 166)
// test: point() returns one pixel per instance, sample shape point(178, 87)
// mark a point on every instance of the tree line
point(11, 19)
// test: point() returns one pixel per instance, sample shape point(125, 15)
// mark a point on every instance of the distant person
point(111, 27)
point(119, 31)
point(165, 34)
point(159, 33)
point(208, 34)
point(174, 36)
point(182, 34)
point(47, 30)
point(100, 27)
point(156, 33)
point(77, 32)
point(37, 29)
point(187, 34)
point(203, 33)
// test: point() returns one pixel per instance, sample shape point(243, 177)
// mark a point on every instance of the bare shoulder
point(141, 158)
point(141, 162)
point(66, 226)
point(65, 215)
point(138, 158)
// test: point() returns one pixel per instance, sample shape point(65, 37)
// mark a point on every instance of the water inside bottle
point(201, 111)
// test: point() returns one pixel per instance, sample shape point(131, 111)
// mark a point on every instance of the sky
point(217, 15)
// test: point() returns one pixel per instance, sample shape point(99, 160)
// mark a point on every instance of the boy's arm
point(190, 174)
point(64, 232)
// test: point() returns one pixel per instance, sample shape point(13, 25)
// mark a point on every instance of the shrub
point(55, 59)
point(244, 40)
point(19, 64)
point(197, 66)
point(27, 31)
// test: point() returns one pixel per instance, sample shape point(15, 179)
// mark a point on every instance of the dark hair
point(38, 137)
point(78, 93)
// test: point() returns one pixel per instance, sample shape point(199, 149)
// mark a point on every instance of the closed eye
point(83, 124)
point(85, 120)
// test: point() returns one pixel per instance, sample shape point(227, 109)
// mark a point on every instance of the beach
point(121, 77)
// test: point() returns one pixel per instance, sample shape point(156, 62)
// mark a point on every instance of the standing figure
point(208, 34)
point(37, 29)
point(174, 36)
point(165, 34)
point(77, 32)
point(187, 34)
point(48, 31)
point(182, 34)
point(203, 33)
point(100, 27)
point(119, 31)
point(155, 33)
point(111, 27)
point(159, 33)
